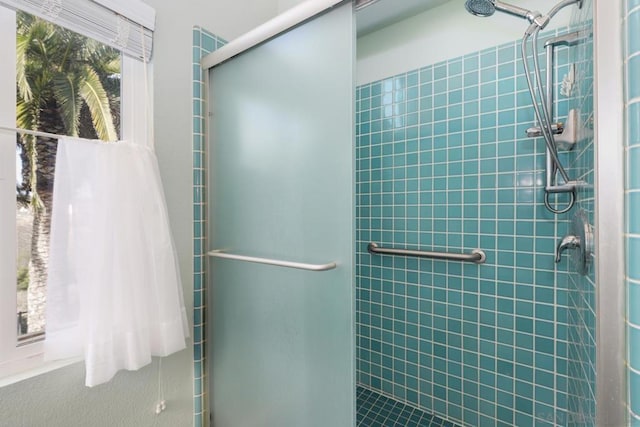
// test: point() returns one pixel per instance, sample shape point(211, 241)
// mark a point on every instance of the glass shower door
point(281, 340)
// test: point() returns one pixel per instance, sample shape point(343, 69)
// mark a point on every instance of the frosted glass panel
point(281, 341)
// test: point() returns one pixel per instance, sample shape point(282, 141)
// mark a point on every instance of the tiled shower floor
point(375, 410)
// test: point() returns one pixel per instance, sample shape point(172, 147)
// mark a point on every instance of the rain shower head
point(486, 8)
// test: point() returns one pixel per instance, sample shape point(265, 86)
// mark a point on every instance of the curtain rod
point(34, 133)
point(51, 135)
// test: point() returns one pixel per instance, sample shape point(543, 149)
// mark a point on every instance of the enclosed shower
point(420, 247)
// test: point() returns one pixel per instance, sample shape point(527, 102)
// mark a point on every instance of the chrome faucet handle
point(580, 239)
point(568, 242)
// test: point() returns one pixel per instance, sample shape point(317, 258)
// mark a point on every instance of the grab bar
point(288, 264)
point(477, 255)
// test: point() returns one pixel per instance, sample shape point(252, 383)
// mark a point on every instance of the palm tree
point(61, 79)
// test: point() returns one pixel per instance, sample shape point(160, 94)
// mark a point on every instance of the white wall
point(287, 4)
point(59, 398)
point(441, 33)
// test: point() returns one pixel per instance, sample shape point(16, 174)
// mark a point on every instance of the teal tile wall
point(443, 163)
point(203, 43)
point(581, 409)
point(632, 202)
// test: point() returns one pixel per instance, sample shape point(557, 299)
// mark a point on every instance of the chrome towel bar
point(219, 253)
point(477, 255)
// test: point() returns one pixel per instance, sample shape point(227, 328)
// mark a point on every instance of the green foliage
point(58, 67)
point(65, 83)
point(23, 278)
point(93, 94)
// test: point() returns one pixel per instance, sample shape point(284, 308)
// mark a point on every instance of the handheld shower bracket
point(540, 20)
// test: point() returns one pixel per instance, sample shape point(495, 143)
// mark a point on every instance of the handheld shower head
point(481, 8)
point(486, 8)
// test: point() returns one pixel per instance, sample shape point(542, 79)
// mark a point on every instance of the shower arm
point(516, 11)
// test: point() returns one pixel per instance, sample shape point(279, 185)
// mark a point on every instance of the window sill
point(23, 369)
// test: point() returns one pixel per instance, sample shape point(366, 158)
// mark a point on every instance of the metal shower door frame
point(611, 346)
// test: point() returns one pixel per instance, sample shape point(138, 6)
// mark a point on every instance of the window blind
point(124, 25)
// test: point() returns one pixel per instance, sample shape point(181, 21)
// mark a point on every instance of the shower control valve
point(568, 242)
point(580, 239)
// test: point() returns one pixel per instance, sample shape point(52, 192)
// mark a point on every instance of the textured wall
point(60, 399)
point(443, 163)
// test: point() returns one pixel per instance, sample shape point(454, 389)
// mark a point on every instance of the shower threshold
point(376, 410)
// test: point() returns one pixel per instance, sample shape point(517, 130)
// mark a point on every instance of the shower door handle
point(219, 253)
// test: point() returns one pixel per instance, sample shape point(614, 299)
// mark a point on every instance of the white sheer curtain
point(114, 294)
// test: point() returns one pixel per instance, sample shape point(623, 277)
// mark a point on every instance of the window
point(70, 85)
point(56, 81)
